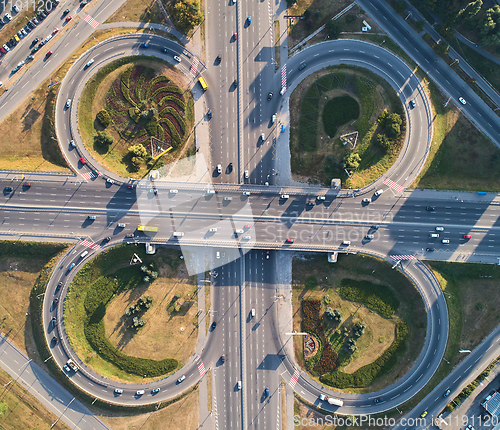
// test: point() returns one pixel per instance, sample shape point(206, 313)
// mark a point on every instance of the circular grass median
point(117, 315)
point(129, 102)
point(368, 322)
point(346, 123)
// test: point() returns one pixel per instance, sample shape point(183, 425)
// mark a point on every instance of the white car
point(173, 191)
point(320, 198)
point(15, 8)
point(462, 100)
point(68, 103)
point(367, 200)
point(246, 237)
point(72, 143)
point(246, 171)
point(121, 225)
point(219, 168)
point(118, 391)
point(246, 193)
point(273, 119)
point(283, 91)
point(378, 192)
point(213, 230)
point(439, 228)
point(110, 181)
point(176, 58)
point(139, 392)
point(446, 241)
point(263, 137)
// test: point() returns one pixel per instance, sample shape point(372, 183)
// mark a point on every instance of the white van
point(178, 233)
point(246, 174)
point(84, 254)
point(346, 243)
point(252, 312)
point(377, 193)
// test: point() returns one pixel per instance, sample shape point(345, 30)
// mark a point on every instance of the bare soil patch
point(166, 334)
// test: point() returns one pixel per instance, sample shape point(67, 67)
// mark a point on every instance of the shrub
point(329, 360)
point(141, 152)
point(104, 118)
point(333, 28)
point(339, 111)
point(151, 127)
point(187, 14)
point(311, 282)
point(103, 139)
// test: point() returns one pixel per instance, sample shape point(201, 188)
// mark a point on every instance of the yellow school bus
point(202, 83)
point(147, 228)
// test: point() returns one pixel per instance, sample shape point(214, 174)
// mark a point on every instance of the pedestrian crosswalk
point(90, 175)
point(194, 66)
point(396, 187)
point(201, 367)
point(89, 244)
point(91, 21)
point(294, 379)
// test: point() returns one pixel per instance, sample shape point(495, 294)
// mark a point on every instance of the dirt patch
point(166, 334)
point(184, 414)
point(138, 11)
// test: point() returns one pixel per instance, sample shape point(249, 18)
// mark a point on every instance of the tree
point(187, 14)
point(141, 152)
point(400, 6)
point(393, 125)
point(420, 24)
point(103, 118)
point(442, 48)
point(333, 28)
point(470, 11)
point(352, 160)
point(330, 314)
point(103, 139)
point(384, 141)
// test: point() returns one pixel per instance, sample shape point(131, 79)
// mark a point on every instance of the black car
point(377, 399)
point(430, 250)
point(230, 167)
point(430, 208)
point(35, 41)
point(310, 204)
point(54, 319)
point(235, 83)
point(59, 285)
point(55, 301)
point(270, 95)
point(222, 359)
point(209, 114)
point(30, 25)
point(65, 12)
point(40, 17)
point(7, 189)
point(54, 340)
point(375, 227)
point(214, 324)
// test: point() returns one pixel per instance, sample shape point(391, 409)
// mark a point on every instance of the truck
point(331, 400)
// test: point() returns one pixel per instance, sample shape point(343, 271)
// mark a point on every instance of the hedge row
point(178, 101)
point(124, 84)
point(155, 80)
point(23, 249)
point(177, 116)
point(176, 138)
point(365, 376)
point(133, 115)
point(329, 360)
point(138, 87)
point(166, 89)
point(378, 298)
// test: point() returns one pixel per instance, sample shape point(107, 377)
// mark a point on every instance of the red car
point(235, 35)
point(290, 240)
point(68, 18)
point(55, 30)
point(467, 236)
point(48, 54)
point(82, 160)
point(27, 185)
point(248, 226)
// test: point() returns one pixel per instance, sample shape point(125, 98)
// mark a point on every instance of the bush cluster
point(104, 118)
point(339, 111)
point(365, 376)
point(378, 298)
